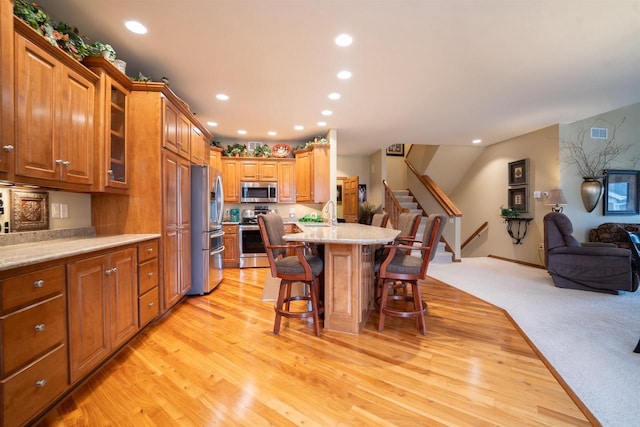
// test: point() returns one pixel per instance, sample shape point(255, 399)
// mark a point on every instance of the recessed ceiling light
point(326, 112)
point(242, 132)
point(322, 123)
point(344, 40)
point(344, 75)
point(477, 141)
point(298, 127)
point(222, 97)
point(214, 124)
point(334, 96)
point(135, 27)
point(272, 133)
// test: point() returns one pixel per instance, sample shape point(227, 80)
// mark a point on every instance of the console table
point(517, 228)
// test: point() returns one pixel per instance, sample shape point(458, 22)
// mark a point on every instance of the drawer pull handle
point(41, 383)
point(149, 250)
point(38, 284)
point(151, 304)
point(40, 327)
point(150, 273)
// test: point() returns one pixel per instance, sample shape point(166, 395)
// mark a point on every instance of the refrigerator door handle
point(216, 234)
point(217, 251)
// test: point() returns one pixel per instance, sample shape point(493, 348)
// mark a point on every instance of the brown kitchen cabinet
point(148, 297)
point(102, 306)
point(231, 254)
point(177, 131)
point(32, 310)
point(111, 121)
point(159, 193)
point(177, 228)
point(312, 174)
point(286, 181)
point(199, 146)
point(258, 170)
point(231, 179)
point(54, 114)
point(215, 159)
point(7, 145)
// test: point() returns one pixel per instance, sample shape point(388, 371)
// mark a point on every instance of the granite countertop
point(342, 233)
point(12, 256)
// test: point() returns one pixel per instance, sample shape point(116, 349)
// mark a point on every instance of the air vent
point(599, 133)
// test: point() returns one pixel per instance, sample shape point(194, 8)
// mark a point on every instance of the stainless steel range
point(252, 252)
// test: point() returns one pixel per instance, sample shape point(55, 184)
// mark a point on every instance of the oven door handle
point(217, 251)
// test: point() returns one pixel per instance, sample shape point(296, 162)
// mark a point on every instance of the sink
point(316, 224)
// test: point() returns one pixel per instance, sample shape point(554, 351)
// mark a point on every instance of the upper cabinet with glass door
point(111, 118)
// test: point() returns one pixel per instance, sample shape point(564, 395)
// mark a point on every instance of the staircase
point(406, 201)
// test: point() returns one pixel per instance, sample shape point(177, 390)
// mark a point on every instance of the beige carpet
point(272, 286)
point(588, 337)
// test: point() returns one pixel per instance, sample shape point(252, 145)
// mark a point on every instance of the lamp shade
point(556, 199)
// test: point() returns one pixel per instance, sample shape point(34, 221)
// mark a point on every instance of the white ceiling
point(424, 72)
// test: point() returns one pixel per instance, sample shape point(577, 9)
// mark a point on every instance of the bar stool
point(401, 269)
point(301, 267)
point(408, 224)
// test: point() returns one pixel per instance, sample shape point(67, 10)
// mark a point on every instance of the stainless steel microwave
point(258, 192)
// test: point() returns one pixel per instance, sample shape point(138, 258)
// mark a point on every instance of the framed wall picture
point(395, 150)
point(620, 192)
point(339, 194)
point(519, 198)
point(519, 172)
point(362, 193)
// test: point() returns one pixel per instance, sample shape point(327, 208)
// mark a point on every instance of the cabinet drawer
point(147, 250)
point(21, 290)
point(42, 326)
point(28, 391)
point(148, 275)
point(148, 306)
point(230, 229)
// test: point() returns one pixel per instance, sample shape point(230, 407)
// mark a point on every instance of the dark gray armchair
point(599, 267)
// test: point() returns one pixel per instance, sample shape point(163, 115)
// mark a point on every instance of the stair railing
point(475, 234)
point(391, 204)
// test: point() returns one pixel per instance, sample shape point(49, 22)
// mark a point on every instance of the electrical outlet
point(55, 210)
point(64, 210)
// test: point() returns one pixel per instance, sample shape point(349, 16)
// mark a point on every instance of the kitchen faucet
point(333, 220)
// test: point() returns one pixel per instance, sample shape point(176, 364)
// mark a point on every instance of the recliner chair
point(598, 267)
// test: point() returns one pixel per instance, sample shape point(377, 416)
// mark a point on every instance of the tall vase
point(591, 191)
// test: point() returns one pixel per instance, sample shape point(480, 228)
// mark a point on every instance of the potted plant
point(509, 212)
point(365, 212)
point(104, 50)
point(235, 150)
point(262, 151)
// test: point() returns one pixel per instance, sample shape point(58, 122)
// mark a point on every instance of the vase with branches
point(591, 163)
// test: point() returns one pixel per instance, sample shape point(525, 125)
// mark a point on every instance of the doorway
point(347, 198)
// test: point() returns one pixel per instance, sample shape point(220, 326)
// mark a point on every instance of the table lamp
point(556, 200)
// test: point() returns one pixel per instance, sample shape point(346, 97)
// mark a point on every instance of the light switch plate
point(537, 195)
point(55, 210)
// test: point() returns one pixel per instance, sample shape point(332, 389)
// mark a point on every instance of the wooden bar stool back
point(305, 266)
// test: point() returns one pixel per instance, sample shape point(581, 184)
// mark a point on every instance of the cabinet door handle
point(150, 273)
point(40, 327)
point(8, 148)
point(58, 161)
point(108, 272)
point(114, 269)
point(41, 383)
point(151, 304)
point(149, 250)
point(66, 163)
point(38, 283)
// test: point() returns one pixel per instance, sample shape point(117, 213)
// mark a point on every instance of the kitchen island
point(348, 269)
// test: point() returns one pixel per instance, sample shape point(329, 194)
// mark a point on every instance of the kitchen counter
point(20, 255)
point(351, 233)
point(348, 269)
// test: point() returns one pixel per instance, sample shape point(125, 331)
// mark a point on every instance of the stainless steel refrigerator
point(207, 205)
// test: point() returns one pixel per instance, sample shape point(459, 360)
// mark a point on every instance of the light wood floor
point(214, 361)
